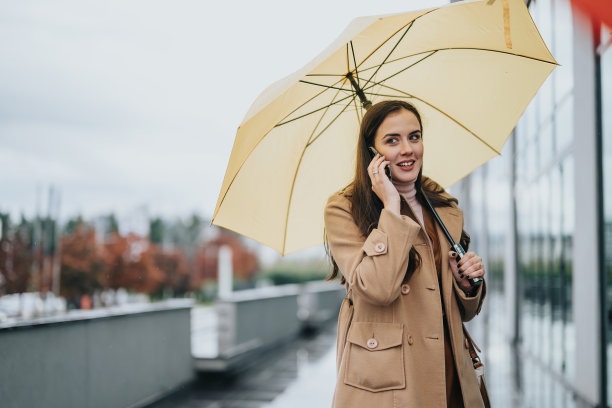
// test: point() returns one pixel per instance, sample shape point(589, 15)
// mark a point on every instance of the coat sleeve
point(470, 305)
point(373, 266)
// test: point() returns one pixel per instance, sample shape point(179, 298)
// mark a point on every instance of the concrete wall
point(105, 358)
point(253, 321)
point(319, 302)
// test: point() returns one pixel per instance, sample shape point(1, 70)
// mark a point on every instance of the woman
point(404, 346)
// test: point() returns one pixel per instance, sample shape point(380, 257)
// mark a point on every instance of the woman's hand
point(382, 186)
point(470, 266)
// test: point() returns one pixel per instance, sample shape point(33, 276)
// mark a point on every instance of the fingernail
point(453, 254)
point(460, 271)
point(458, 265)
point(461, 275)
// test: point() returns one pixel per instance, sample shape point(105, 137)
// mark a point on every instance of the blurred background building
point(541, 216)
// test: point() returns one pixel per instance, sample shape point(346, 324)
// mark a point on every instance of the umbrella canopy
point(470, 68)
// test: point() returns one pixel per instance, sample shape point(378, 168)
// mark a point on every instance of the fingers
point(373, 166)
point(470, 266)
point(377, 166)
point(381, 166)
point(452, 255)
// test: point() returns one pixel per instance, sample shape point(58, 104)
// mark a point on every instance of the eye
point(415, 136)
point(392, 140)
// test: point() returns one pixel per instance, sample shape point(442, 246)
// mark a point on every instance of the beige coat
point(392, 353)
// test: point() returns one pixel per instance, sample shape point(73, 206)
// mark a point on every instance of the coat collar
point(452, 217)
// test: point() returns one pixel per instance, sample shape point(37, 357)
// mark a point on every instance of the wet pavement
point(298, 374)
point(302, 372)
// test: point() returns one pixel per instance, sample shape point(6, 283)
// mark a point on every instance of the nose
point(406, 147)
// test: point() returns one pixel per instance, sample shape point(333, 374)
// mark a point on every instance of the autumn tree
point(16, 255)
point(130, 263)
point(175, 269)
point(81, 263)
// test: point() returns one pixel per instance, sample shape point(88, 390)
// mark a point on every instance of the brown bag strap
point(348, 293)
point(472, 347)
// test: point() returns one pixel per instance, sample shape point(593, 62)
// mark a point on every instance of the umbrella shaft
point(456, 246)
point(364, 101)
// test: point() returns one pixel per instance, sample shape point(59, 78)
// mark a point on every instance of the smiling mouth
point(406, 164)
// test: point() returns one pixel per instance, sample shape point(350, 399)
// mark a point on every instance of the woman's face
point(398, 138)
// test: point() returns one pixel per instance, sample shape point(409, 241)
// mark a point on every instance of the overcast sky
point(125, 104)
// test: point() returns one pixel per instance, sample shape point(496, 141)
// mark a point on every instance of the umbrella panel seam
point(297, 169)
point(380, 82)
point(445, 114)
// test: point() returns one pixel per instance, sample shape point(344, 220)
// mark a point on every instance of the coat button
point(379, 247)
point(372, 343)
point(467, 345)
point(405, 288)
point(410, 340)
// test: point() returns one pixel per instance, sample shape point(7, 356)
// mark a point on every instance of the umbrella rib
point(424, 15)
point(307, 101)
point(393, 35)
point(445, 114)
point(332, 121)
point(348, 64)
point(316, 110)
point(389, 54)
point(297, 170)
point(322, 116)
point(354, 63)
point(349, 70)
point(356, 111)
point(431, 52)
point(325, 86)
point(257, 144)
point(373, 84)
point(490, 50)
point(439, 49)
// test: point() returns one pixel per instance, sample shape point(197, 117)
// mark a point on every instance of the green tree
point(156, 231)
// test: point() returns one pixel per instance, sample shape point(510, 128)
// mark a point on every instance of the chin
point(405, 178)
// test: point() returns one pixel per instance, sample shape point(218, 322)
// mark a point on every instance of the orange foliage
point(130, 262)
point(15, 264)
point(173, 265)
point(244, 261)
point(82, 264)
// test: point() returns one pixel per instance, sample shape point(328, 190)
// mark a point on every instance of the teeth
point(406, 164)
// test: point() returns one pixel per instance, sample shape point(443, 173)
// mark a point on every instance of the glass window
point(530, 118)
point(606, 96)
point(566, 263)
point(546, 143)
point(545, 100)
point(564, 124)
point(555, 270)
point(544, 197)
point(562, 50)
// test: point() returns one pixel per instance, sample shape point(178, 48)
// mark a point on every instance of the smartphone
point(374, 153)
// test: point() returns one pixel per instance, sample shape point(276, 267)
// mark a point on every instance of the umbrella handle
point(475, 282)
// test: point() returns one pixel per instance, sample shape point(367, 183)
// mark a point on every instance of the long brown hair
point(365, 204)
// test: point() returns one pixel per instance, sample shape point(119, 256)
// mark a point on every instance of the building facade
point(541, 217)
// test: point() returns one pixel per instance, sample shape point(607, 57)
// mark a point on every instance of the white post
point(225, 270)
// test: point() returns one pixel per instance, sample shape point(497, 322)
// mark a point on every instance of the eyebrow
point(397, 134)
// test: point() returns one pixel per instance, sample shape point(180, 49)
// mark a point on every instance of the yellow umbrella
point(471, 69)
